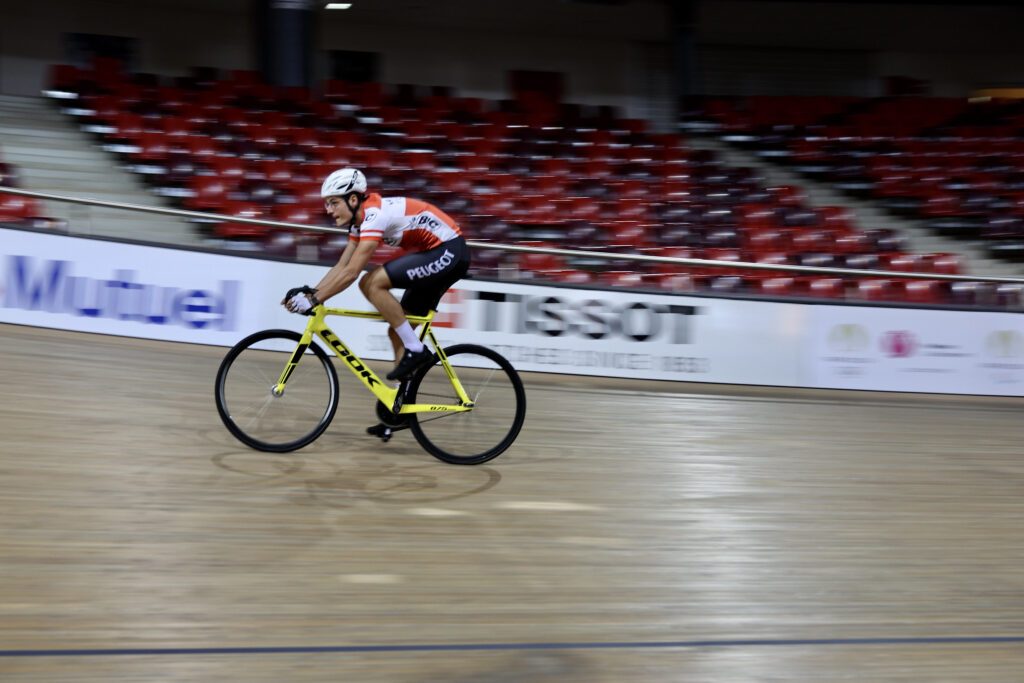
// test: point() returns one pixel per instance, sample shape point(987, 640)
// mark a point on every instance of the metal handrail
point(520, 248)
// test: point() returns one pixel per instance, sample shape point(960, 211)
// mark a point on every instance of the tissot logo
point(554, 316)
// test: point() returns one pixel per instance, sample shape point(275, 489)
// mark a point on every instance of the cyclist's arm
point(346, 253)
point(347, 269)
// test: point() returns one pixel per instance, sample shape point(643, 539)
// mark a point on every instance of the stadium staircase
point(52, 155)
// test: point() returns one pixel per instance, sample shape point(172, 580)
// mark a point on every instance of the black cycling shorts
point(427, 275)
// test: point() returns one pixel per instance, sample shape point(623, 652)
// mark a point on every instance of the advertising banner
point(147, 292)
point(179, 295)
point(626, 334)
point(899, 349)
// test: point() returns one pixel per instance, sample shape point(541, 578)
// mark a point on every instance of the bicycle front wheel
point(262, 418)
point(486, 431)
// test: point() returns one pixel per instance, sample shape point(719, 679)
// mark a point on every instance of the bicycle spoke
point(487, 381)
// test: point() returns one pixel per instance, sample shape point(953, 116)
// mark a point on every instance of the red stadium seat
point(277, 171)
point(15, 208)
point(827, 287)
point(629, 279)
point(779, 286)
point(673, 252)
point(630, 235)
point(539, 263)
point(678, 282)
point(875, 289)
point(757, 217)
point(1010, 295)
point(766, 241)
point(65, 77)
point(947, 264)
point(152, 147)
point(293, 213)
point(907, 263)
point(210, 193)
point(852, 243)
point(923, 291)
point(812, 241)
point(230, 230)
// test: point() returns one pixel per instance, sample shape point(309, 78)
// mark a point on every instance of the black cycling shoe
point(383, 431)
point(410, 363)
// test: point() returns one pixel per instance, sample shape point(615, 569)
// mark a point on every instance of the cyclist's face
point(338, 210)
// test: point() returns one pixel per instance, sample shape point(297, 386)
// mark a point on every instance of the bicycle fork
point(293, 362)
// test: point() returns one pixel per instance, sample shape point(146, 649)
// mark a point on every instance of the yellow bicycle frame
point(384, 392)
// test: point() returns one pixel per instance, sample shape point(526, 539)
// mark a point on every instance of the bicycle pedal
point(384, 432)
point(381, 431)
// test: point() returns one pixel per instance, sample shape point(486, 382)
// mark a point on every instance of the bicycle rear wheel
point(254, 413)
point(486, 431)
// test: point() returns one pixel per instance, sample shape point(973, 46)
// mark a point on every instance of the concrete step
point(53, 172)
point(69, 175)
point(147, 232)
point(104, 195)
point(41, 130)
point(74, 172)
point(66, 152)
point(52, 155)
point(21, 100)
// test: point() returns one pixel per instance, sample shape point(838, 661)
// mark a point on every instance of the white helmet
point(342, 182)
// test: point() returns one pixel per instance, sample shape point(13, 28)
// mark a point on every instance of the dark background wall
point(615, 52)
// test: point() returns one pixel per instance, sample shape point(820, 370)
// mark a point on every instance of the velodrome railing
point(610, 255)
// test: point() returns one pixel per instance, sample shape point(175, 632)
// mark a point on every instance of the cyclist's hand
point(300, 300)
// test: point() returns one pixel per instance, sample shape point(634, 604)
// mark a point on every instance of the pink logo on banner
point(899, 344)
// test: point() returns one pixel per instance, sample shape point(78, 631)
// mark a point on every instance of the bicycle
point(290, 412)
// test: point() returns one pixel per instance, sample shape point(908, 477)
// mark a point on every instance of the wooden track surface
point(635, 532)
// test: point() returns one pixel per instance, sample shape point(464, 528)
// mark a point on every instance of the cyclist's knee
point(366, 282)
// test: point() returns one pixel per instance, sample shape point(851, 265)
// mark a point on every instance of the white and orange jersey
point(404, 222)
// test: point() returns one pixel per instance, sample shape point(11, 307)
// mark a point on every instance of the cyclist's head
point(343, 193)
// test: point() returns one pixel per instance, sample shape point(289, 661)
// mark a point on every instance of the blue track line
point(485, 647)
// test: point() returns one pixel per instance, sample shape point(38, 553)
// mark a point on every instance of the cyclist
point(437, 257)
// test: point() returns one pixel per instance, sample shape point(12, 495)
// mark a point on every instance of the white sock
point(408, 337)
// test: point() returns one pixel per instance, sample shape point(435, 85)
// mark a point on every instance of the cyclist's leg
point(425, 276)
point(378, 290)
point(376, 287)
point(396, 344)
point(421, 294)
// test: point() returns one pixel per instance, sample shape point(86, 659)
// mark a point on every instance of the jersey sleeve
point(374, 222)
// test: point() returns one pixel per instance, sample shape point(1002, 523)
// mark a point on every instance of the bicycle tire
point(270, 365)
point(432, 382)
